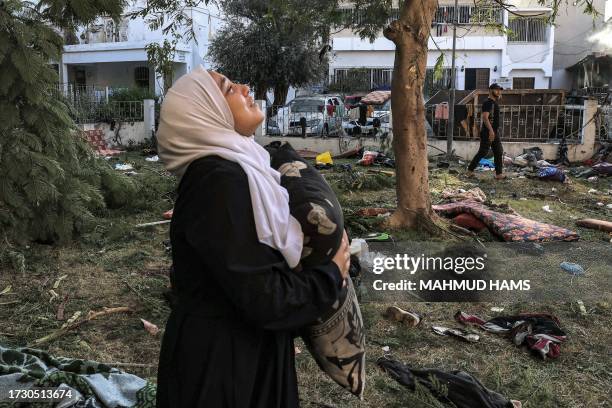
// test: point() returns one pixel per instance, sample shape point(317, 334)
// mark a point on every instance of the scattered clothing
point(539, 331)
point(603, 168)
point(487, 163)
point(460, 194)
point(441, 111)
point(572, 268)
point(552, 173)
point(454, 332)
point(92, 384)
point(509, 227)
point(462, 389)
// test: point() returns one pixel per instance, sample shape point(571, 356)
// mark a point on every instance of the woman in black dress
point(229, 340)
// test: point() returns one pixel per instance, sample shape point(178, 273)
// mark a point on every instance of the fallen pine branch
point(10, 303)
point(150, 224)
point(90, 316)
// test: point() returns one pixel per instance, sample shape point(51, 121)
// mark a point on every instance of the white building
point(484, 55)
point(114, 55)
point(579, 37)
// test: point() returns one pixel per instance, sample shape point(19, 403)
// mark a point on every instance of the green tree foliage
point(274, 44)
point(51, 182)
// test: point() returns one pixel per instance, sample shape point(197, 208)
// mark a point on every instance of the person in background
point(489, 136)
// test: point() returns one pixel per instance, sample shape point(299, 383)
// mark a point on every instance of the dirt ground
point(117, 265)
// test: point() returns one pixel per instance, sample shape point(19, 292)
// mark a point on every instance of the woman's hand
point(343, 257)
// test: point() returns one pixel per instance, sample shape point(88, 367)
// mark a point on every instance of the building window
point(523, 83)
point(361, 79)
point(527, 29)
point(476, 78)
point(141, 77)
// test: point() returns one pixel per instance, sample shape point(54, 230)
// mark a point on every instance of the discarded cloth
point(539, 331)
point(462, 389)
point(94, 384)
point(469, 221)
point(441, 111)
point(572, 268)
point(460, 194)
point(507, 226)
point(368, 158)
point(487, 163)
point(603, 168)
point(458, 333)
point(552, 173)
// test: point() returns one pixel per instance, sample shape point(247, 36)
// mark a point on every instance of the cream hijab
point(196, 121)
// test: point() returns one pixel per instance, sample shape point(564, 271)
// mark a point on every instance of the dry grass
point(116, 265)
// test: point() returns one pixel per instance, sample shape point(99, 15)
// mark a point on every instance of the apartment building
point(111, 54)
point(522, 59)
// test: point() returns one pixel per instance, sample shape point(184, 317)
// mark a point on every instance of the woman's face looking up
point(247, 114)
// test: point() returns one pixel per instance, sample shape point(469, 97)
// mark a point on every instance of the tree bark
point(410, 34)
point(260, 91)
point(280, 94)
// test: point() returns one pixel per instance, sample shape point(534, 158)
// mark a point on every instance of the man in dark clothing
point(489, 136)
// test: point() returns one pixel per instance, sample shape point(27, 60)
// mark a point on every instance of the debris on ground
point(397, 314)
point(591, 223)
point(509, 227)
point(540, 332)
point(572, 268)
point(152, 158)
point(547, 209)
point(456, 332)
point(151, 328)
point(462, 390)
point(552, 174)
point(460, 194)
point(123, 166)
point(324, 158)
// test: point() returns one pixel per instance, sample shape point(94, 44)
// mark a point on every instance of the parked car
point(318, 115)
point(374, 126)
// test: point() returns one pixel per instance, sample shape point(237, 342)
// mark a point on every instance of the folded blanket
point(511, 228)
point(91, 384)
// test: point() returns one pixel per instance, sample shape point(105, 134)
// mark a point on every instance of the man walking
point(489, 137)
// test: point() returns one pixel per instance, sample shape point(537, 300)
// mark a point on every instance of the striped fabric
point(376, 97)
point(96, 139)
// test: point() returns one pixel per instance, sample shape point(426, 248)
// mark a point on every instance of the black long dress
point(229, 342)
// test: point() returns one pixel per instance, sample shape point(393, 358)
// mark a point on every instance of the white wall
point(134, 131)
point(541, 81)
point(571, 42)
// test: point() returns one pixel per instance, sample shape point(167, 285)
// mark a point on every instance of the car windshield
point(383, 107)
point(307, 105)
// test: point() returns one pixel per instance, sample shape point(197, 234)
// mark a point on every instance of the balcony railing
point(518, 123)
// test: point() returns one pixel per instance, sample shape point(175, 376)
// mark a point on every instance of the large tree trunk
point(260, 91)
point(280, 94)
point(410, 34)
